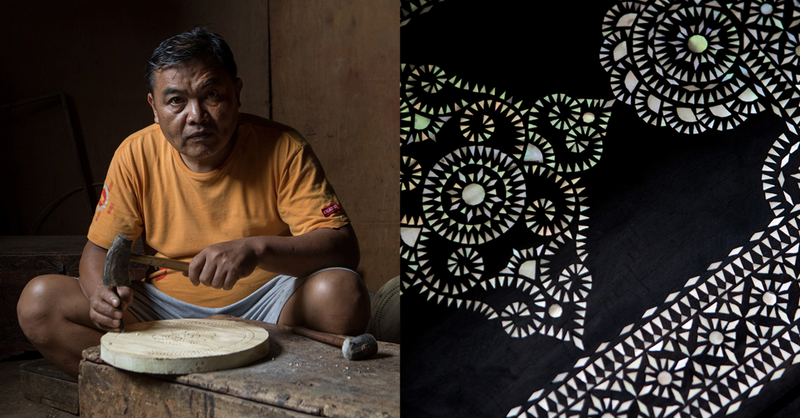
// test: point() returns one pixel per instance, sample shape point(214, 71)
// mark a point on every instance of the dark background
point(329, 69)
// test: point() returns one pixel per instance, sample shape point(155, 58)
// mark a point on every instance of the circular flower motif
point(422, 87)
point(770, 299)
point(693, 44)
point(585, 145)
point(422, 84)
point(465, 262)
point(428, 78)
point(491, 119)
point(680, 66)
point(557, 110)
point(572, 285)
point(473, 195)
point(545, 210)
point(766, 13)
point(580, 139)
point(663, 377)
point(448, 276)
point(716, 337)
point(516, 320)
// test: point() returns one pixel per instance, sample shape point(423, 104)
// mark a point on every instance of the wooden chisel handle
point(161, 262)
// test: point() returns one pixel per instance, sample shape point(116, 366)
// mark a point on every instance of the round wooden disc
point(180, 346)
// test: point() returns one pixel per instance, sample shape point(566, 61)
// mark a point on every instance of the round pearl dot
point(716, 337)
point(797, 50)
point(473, 194)
point(766, 9)
point(608, 415)
point(588, 117)
point(698, 43)
point(664, 378)
point(769, 298)
point(555, 310)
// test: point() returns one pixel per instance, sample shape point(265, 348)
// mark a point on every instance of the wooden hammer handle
point(323, 337)
point(161, 262)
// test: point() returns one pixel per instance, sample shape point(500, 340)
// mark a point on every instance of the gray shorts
point(265, 304)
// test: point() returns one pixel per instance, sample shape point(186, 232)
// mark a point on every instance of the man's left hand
point(222, 265)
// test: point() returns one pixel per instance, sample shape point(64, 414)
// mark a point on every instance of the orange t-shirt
point(270, 184)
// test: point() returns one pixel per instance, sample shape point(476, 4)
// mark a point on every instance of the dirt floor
point(12, 403)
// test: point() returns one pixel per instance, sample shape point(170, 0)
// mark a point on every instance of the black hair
point(198, 43)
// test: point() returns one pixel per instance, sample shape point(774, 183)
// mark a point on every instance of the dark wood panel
point(335, 78)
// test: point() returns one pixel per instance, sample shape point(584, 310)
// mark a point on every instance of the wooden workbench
point(299, 377)
point(21, 259)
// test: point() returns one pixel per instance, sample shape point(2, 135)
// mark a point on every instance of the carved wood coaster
point(181, 346)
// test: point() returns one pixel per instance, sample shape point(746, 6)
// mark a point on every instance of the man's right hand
point(106, 308)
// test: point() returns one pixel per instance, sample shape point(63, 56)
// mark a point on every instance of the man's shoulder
point(269, 129)
point(142, 144)
point(146, 131)
point(144, 135)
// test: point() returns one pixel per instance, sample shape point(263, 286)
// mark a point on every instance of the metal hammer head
point(116, 269)
point(360, 347)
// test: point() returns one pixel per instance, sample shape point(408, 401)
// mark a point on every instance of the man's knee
point(342, 297)
point(338, 285)
point(38, 304)
point(34, 298)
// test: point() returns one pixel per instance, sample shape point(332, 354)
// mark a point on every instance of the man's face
point(197, 106)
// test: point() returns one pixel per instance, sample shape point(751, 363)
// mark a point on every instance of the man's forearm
point(301, 255)
point(91, 268)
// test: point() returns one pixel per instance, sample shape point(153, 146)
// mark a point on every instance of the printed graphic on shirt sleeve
point(330, 209)
point(103, 203)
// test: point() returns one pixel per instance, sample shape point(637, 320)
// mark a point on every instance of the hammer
point(353, 348)
point(116, 268)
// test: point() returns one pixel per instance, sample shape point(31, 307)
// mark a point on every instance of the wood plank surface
point(298, 375)
point(42, 382)
point(110, 392)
